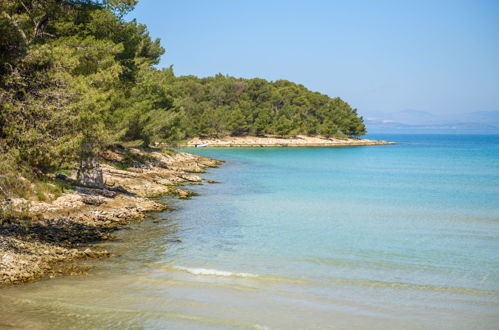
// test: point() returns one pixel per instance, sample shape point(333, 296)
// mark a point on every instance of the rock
point(92, 200)
point(174, 240)
point(101, 192)
point(61, 177)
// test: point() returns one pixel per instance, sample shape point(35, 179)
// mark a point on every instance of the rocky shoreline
point(63, 231)
point(59, 233)
point(276, 141)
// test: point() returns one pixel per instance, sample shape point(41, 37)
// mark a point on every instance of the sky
point(379, 56)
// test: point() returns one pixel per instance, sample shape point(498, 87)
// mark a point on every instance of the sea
point(401, 236)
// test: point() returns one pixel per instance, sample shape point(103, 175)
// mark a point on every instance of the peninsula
point(277, 141)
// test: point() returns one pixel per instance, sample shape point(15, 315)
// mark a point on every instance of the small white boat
point(204, 145)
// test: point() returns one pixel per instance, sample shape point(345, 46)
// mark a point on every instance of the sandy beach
point(275, 141)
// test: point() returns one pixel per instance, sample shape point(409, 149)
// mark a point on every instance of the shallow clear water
point(402, 236)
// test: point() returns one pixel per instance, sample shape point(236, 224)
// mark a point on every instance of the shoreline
point(279, 142)
point(64, 231)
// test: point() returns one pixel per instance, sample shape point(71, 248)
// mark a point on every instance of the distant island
point(423, 120)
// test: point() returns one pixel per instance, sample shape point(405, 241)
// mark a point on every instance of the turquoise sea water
point(399, 236)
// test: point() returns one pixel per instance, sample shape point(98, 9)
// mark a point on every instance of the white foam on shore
point(213, 272)
point(223, 273)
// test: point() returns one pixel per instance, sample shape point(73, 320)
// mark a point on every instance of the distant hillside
point(417, 119)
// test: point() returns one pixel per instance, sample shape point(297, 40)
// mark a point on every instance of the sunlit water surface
point(403, 236)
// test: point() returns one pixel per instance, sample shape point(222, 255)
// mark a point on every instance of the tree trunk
point(90, 172)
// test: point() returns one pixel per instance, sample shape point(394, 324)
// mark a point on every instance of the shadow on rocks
point(60, 232)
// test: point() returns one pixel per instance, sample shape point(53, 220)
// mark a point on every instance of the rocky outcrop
point(62, 230)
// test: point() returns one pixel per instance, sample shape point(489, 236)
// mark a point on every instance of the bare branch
point(27, 11)
point(40, 25)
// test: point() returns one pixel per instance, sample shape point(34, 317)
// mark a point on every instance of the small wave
point(213, 272)
point(223, 273)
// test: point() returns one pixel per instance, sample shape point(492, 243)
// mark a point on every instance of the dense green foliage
point(220, 106)
point(76, 78)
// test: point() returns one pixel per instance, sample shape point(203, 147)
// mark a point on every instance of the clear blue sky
point(380, 56)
